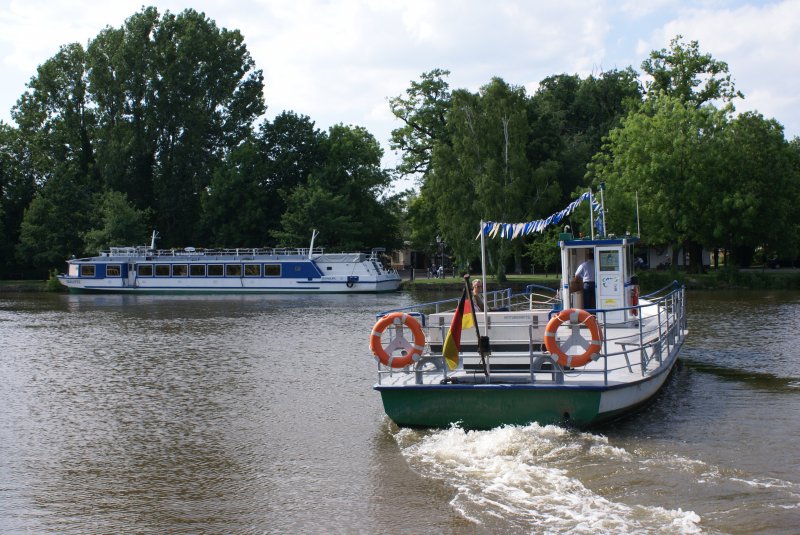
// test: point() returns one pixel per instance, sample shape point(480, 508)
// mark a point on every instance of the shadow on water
point(753, 379)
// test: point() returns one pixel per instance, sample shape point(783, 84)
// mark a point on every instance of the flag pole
point(483, 343)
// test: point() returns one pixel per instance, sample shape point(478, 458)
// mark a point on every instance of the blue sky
point(339, 61)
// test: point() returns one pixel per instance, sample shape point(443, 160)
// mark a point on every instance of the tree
point(292, 149)
point(755, 204)
point(17, 189)
point(117, 223)
point(237, 207)
point(344, 199)
point(671, 154)
point(423, 112)
point(683, 72)
point(484, 170)
point(174, 96)
point(47, 233)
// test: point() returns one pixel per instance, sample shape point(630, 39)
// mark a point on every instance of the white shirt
point(586, 271)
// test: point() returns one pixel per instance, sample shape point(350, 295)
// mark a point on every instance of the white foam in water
point(510, 477)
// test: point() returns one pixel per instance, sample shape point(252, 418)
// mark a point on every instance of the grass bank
point(723, 279)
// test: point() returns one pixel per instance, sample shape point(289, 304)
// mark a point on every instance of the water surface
point(256, 414)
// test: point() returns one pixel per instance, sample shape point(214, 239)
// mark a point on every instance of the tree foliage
point(154, 123)
point(682, 71)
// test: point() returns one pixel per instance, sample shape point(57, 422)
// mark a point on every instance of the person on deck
point(585, 275)
point(477, 295)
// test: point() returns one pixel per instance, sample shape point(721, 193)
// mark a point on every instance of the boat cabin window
point(179, 270)
point(215, 270)
point(113, 270)
point(87, 271)
point(272, 270)
point(233, 270)
point(252, 270)
point(162, 270)
point(197, 270)
point(145, 270)
point(609, 260)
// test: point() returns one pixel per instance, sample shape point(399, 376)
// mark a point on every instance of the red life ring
point(410, 351)
point(635, 299)
point(574, 315)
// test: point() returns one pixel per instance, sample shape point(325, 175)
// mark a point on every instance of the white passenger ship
point(145, 269)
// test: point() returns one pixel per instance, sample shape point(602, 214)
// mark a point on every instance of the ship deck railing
point(630, 350)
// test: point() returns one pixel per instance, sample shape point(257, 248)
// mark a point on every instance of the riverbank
point(649, 281)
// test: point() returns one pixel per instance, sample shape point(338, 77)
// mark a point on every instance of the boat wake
point(524, 478)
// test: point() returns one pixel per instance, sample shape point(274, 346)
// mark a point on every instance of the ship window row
point(209, 270)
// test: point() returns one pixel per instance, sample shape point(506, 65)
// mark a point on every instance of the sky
point(339, 61)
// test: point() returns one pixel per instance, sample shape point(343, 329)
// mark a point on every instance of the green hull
point(486, 407)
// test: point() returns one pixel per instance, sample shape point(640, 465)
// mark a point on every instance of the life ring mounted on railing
point(576, 317)
point(410, 351)
point(635, 299)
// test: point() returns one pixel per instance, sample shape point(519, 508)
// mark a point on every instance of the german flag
point(463, 318)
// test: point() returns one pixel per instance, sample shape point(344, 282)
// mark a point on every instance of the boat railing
point(495, 298)
point(628, 346)
point(200, 252)
point(542, 296)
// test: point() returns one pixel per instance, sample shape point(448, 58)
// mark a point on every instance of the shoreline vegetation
point(649, 280)
point(721, 279)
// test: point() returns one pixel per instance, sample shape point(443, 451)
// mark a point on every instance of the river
point(256, 414)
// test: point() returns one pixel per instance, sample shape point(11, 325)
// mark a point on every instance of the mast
point(483, 341)
point(314, 235)
point(603, 207)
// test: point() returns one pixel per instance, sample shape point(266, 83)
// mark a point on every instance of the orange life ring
point(574, 315)
point(410, 351)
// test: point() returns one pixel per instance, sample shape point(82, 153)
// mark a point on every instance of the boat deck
point(641, 346)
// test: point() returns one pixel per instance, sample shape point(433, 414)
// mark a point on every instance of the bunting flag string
point(509, 231)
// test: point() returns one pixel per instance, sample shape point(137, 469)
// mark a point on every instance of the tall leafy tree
point(292, 149)
point(206, 94)
point(17, 189)
point(345, 199)
point(756, 202)
point(56, 123)
point(117, 223)
point(484, 170)
point(671, 154)
point(682, 71)
point(423, 111)
point(174, 96)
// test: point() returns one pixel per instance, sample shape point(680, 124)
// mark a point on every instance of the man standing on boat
point(585, 275)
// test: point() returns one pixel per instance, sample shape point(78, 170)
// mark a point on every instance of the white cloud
point(759, 42)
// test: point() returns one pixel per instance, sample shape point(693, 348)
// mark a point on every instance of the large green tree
point(756, 203)
point(345, 198)
point(670, 153)
point(17, 189)
point(422, 110)
point(483, 171)
point(684, 72)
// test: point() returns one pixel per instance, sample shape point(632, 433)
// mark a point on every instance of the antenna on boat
point(314, 235)
point(153, 240)
point(591, 214)
point(603, 207)
point(638, 228)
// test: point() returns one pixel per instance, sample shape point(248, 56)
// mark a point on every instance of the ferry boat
point(535, 356)
point(144, 269)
